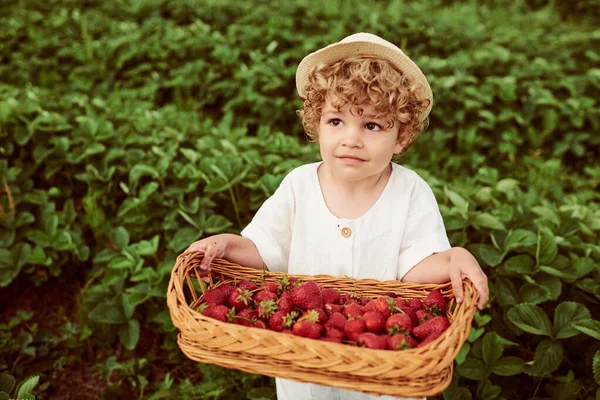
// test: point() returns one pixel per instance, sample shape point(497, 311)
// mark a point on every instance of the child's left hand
point(464, 265)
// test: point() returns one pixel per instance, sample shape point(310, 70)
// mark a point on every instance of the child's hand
point(464, 265)
point(212, 247)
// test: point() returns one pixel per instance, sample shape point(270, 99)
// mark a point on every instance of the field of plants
point(131, 128)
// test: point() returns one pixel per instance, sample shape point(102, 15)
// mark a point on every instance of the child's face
point(356, 147)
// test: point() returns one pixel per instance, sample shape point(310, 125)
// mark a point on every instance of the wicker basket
point(419, 372)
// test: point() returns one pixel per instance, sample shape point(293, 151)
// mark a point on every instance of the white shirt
point(295, 232)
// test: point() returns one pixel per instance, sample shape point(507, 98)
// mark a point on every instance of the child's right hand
point(212, 247)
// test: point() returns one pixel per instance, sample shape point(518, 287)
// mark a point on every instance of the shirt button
point(346, 232)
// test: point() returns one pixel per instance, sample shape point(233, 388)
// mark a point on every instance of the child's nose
point(352, 137)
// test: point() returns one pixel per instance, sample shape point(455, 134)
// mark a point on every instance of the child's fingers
point(481, 285)
point(457, 285)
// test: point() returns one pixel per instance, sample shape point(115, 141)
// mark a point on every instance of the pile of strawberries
point(309, 310)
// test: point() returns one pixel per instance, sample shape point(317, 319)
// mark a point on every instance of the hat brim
point(336, 51)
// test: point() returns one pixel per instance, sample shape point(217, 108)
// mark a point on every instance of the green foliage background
point(131, 128)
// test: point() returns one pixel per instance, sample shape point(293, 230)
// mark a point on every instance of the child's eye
point(335, 122)
point(372, 126)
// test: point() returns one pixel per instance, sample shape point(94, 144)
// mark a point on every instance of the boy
point(356, 213)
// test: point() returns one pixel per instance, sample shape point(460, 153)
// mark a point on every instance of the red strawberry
point(270, 286)
point(432, 326)
point(280, 320)
point(430, 339)
point(374, 321)
point(411, 313)
point(415, 304)
point(400, 302)
point(331, 308)
point(372, 341)
point(307, 296)
point(245, 317)
point(308, 327)
point(289, 283)
point(266, 309)
point(337, 321)
point(334, 333)
point(354, 328)
point(423, 315)
point(239, 299)
point(246, 285)
point(219, 312)
point(263, 295)
point(258, 324)
point(381, 305)
point(401, 342)
point(330, 296)
point(352, 309)
point(215, 297)
point(322, 316)
point(285, 302)
point(398, 323)
point(348, 298)
point(435, 302)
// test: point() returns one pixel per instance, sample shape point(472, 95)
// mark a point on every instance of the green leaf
point(148, 190)
point(183, 238)
point(486, 220)
point(27, 385)
point(547, 249)
point(148, 247)
point(461, 204)
point(120, 238)
point(473, 369)
point(590, 327)
point(547, 359)
point(490, 255)
point(507, 293)
point(565, 315)
point(260, 393)
point(4, 396)
point(108, 314)
point(121, 262)
point(519, 238)
point(216, 224)
point(596, 367)
point(522, 264)
point(462, 353)
point(532, 293)
point(508, 366)
point(140, 170)
point(492, 348)
point(7, 383)
point(130, 334)
point(531, 319)
point(487, 391)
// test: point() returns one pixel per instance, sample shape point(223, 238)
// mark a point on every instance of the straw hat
point(364, 44)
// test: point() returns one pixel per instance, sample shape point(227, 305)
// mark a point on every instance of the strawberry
point(411, 313)
point(246, 285)
point(337, 321)
point(374, 321)
point(239, 299)
point(215, 297)
point(331, 308)
point(285, 302)
point(353, 310)
point(423, 315)
point(435, 302)
point(334, 333)
point(321, 313)
point(263, 295)
point(280, 320)
point(307, 296)
point(398, 323)
point(430, 338)
point(354, 328)
point(381, 305)
point(258, 324)
point(400, 302)
point(219, 312)
point(415, 304)
point(266, 309)
point(289, 283)
point(270, 286)
point(432, 326)
point(308, 326)
point(348, 298)
point(245, 317)
point(372, 341)
point(401, 342)
point(330, 296)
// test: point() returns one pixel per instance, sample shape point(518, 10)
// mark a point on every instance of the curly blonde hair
point(361, 80)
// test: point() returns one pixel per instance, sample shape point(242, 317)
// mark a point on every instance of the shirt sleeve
point(271, 227)
point(425, 233)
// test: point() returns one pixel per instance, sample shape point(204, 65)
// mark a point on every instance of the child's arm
point(451, 265)
point(233, 248)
